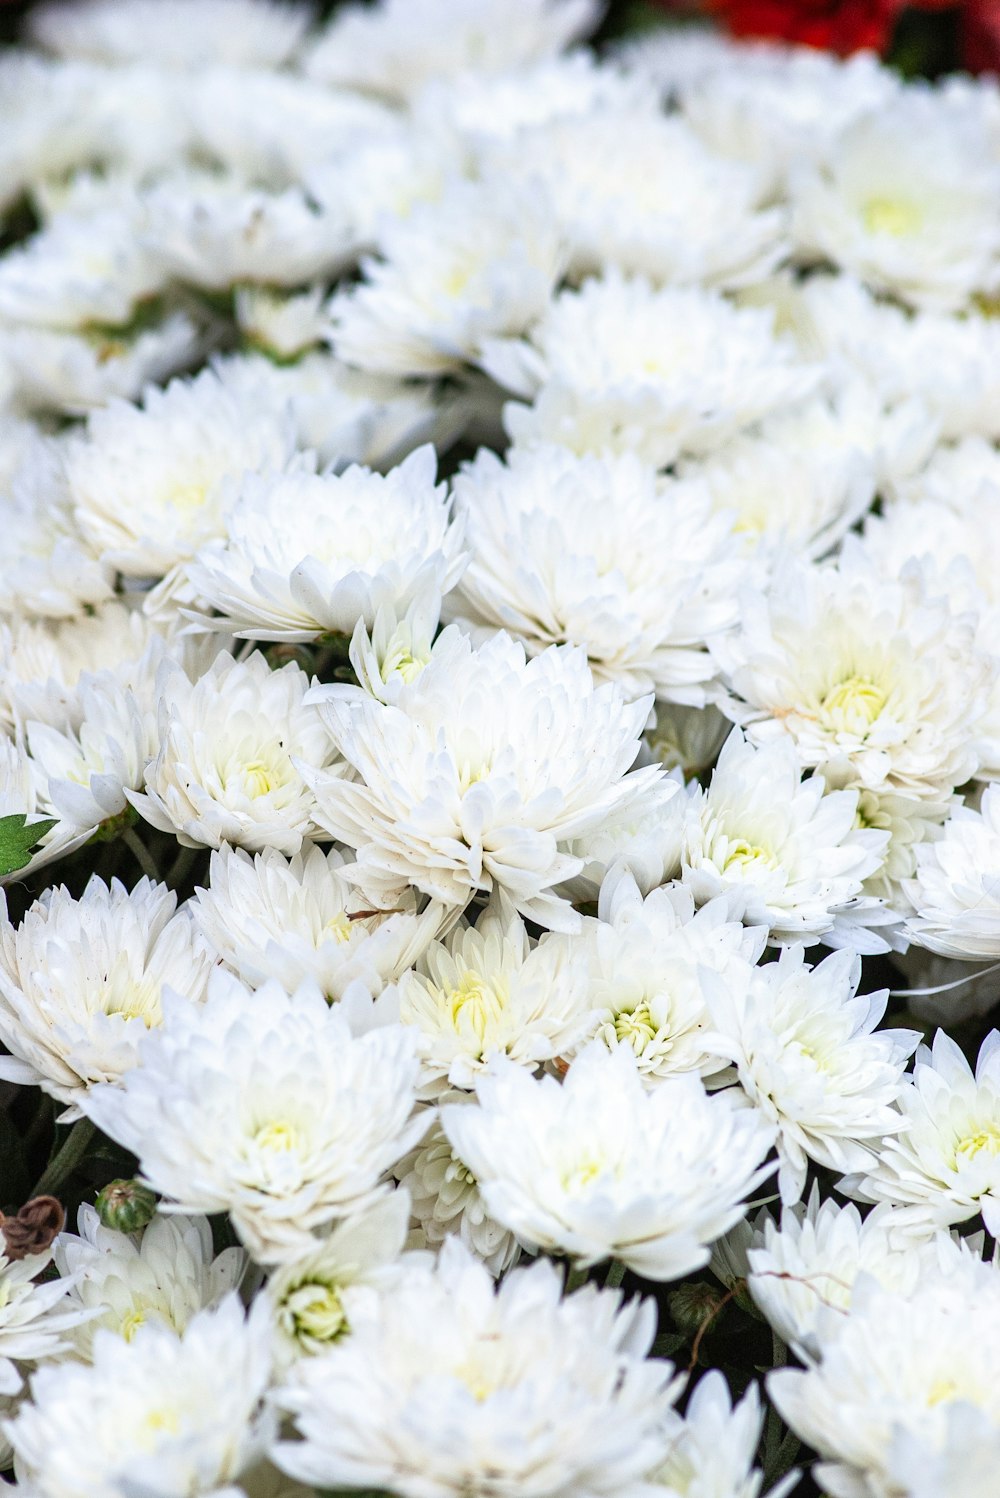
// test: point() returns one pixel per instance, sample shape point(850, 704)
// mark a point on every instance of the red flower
point(834, 25)
point(981, 36)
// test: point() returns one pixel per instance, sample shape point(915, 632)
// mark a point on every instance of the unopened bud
point(126, 1206)
point(694, 1306)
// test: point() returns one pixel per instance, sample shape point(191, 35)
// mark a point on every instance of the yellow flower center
point(277, 1137)
point(742, 852)
point(314, 1312)
point(894, 216)
point(985, 1141)
point(941, 1392)
point(476, 1004)
point(852, 705)
point(259, 778)
point(634, 1027)
point(338, 928)
point(131, 1324)
point(578, 1177)
point(187, 497)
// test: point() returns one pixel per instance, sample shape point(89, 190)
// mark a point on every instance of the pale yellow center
point(131, 1324)
point(476, 1004)
point(277, 1137)
point(894, 216)
point(852, 705)
point(314, 1311)
point(746, 853)
point(635, 1027)
point(259, 777)
point(338, 928)
point(941, 1392)
point(986, 1141)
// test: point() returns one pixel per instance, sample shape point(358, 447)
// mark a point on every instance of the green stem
point(181, 866)
point(774, 1434)
point(575, 1277)
point(615, 1274)
point(140, 853)
point(66, 1159)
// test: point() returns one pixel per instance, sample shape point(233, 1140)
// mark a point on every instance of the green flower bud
point(126, 1206)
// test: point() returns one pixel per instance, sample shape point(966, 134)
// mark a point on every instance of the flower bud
point(126, 1206)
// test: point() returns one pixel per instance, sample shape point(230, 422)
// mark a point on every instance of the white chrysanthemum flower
point(82, 980)
point(267, 917)
point(317, 1298)
point(788, 853)
point(647, 837)
point(389, 661)
point(268, 1107)
point(956, 888)
point(165, 1275)
point(79, 271)
point(909, 201)
point(282, 325)
point(395, 47)
point(340, 414)
point(73, 374)
point(555, 559)
point(807, 1054)
point(909, 824)
point(308, 554)
point(179, 1416)
point(446, 1200)
point(620, 366)
point(233, 746)
point(638, 190)
point(485, 107)
point(88, 767)
point(957, 476)
point(950, 364)
point(147, 481)
point(599, 1167)
point(38, 1320)
point(478, 783)
point(480, 264)
point(686, 738)
point(942, 1165)
point(47, 569)
point(646, 960)
point(488, 990)
point(214, 232)
point(22, 794)
point(713, 1447)
point(905, 1387)
point(509, 1389)
point(177, 33)
point(803, 1274)
point(804, 500)
point(871, 679)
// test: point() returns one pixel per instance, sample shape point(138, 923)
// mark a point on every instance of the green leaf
point(17, 839)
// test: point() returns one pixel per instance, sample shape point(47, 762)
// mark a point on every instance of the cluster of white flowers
point(499, 704)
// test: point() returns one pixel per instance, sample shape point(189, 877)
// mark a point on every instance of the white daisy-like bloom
point(274, 128)
point(483, 107)
point(48, 127)
point(22, 794)
point(636, 189)
point(873, 680)
point(269, 1107)
point(806, 1052)
point(308, 554)
point(620, 366)
point(89, 766)
point(82, 980)
point(955, 889)
point(910, 824)
point(270, 917)
point(182, 1416)
point(956, 475)
point(214, 232)
point(165, 1275)
point(494, 764)
point(646, 960)
point(906, 1387)
point(319, 1297)
point(177, 33)
point(38, 1321)
point(281, 324)
point(948, 363)
point(338, 413)
point(389, 660)
point(47, 570)
point(776, 107)
point(646, 837)
point(72, 374)
point(942, 1165)
point(480, 264)
point(395, 47)
point(600, 1167)
point(147, 481)
point(686, 738)
point(803, 500)
point(713, 1446)
point(508, 1389)
point(803, 1272)
point(376, 180)
point(446, 1201)
point(488, 990)
point(233, 747)
point(909, 201)
point(554, 560)
point(788, 853)
point(81, 270)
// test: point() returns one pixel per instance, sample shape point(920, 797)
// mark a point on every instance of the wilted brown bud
point(33, 1229)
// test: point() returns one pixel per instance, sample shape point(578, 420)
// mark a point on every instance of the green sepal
point(17, 840)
